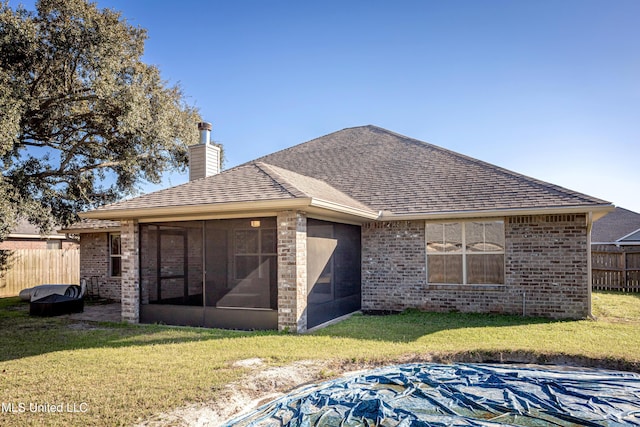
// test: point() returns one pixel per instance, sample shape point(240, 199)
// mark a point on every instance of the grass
point(127, 373)
point(616, 307)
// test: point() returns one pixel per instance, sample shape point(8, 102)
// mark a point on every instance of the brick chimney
point(204, 158)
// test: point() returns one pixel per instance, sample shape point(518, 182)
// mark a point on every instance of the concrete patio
point(99, 313)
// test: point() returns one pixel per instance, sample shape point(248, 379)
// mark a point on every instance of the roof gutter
point(36, 236)
point(228, 209)
point(337, 207)
point(197, 210)
point(597, 210)
point(261, 206)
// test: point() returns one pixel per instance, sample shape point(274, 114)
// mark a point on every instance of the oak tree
point(83, 120)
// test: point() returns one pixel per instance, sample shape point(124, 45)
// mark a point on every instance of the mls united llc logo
point(22, 407)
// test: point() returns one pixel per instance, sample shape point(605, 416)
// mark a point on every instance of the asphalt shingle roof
point(25, 228)
point(88, 225)
point(391, 172)
point(241, 184)
point(373, 169)
point(250, 182)
point(615, 225)
point(304, 186)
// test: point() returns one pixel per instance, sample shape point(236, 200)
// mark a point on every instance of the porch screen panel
point(241, 263)
point(333, 270)
point(171, 263)
point(148, 263)
point(348, 263)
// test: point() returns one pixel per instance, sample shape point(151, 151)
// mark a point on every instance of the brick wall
point(545, 267)
point(292, 271)
point(94, 266)
point(14, 244)
point(393, 265)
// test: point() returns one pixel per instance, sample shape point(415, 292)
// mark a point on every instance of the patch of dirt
point(266, 384)
point(263, 384)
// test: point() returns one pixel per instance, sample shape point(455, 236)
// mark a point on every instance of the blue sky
point(547, 88)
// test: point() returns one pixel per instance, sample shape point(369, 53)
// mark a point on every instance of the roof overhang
point(318, 207)
point(236, 210)
point(597, 211)
point(79, 230)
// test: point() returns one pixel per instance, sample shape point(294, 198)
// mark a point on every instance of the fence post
point(627, 282)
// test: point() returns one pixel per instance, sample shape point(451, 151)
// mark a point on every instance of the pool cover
point(420, 395)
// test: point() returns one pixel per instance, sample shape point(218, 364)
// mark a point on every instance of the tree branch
point(107, 164)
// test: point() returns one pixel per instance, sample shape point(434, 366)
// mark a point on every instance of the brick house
point(27, 236)
point(360, 219)
point(100, 256)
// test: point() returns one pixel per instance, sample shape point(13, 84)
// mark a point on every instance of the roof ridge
point(276, 177)
point(275, 173)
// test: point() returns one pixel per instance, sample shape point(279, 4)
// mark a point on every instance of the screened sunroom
point(224, 272)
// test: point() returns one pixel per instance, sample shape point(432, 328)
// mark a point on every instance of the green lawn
point(126, 373)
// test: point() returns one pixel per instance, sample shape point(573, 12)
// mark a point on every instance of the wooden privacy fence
point(616, 271)
point(31, 267)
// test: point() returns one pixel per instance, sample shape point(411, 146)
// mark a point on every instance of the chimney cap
point(204, 126)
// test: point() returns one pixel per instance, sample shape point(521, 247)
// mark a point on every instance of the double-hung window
point(469, 252)
point(115, 255)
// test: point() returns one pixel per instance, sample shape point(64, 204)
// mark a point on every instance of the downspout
point(589, 273)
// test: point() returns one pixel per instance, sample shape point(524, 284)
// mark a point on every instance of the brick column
point(130, 281)
point(292, 271)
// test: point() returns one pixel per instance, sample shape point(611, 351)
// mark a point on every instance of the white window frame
point(112, 255)
point(464, 251)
